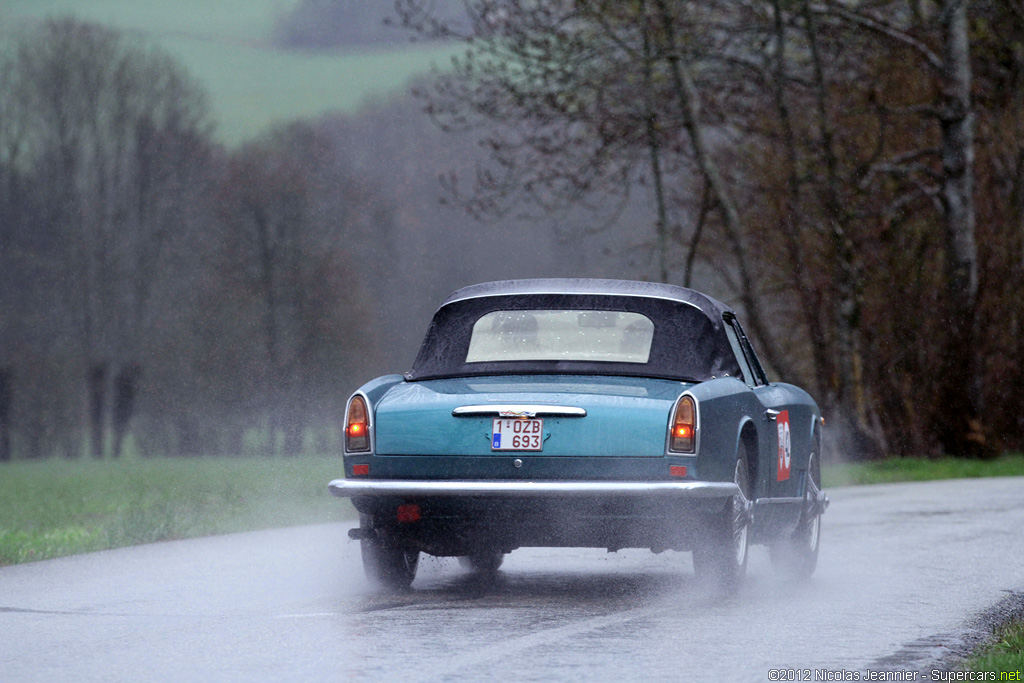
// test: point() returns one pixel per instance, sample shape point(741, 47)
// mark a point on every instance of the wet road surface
point(904, 572)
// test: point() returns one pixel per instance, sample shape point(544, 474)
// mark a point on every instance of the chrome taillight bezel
point(694, 445)
point(359, 447)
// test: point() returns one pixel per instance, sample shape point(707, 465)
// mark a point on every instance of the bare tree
point(767, 100)
point(16, 241)
point(286, 251)
point(577, 101)
point(937, 36)
point(114, 137)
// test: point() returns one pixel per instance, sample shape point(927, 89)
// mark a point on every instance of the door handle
point(771, 415)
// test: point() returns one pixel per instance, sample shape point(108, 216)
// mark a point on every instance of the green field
point(59, 507)
point(226, 46)
point(234, 20)
point(921, 469)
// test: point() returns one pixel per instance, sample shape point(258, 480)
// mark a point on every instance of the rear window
point(574, 334)
point(561, 335)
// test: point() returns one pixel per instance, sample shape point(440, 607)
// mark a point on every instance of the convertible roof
point(689, 343)
point(655, 290)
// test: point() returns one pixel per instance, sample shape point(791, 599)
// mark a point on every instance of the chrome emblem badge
point(517, 413)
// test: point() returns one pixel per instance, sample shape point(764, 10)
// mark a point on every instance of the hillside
point(229, 47)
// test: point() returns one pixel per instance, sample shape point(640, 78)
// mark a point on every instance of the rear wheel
point(797, 556)
point(483, 562)
point(722, 556)
point(385, 562)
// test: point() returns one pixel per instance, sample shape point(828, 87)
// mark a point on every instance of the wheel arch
point(813, 452)
point(747, 443)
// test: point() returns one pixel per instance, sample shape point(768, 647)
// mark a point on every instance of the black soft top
point(689, 343)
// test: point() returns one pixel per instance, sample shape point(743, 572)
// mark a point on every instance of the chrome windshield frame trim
point(514, 410)
point(382, 488)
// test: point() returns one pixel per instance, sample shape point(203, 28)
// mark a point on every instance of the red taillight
point(682, 439)
point(357, 427)
point(360, 470)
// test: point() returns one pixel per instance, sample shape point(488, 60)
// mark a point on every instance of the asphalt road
point(908, 574)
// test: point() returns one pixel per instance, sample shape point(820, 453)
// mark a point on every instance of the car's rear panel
point(621, 438)
point(625, 417)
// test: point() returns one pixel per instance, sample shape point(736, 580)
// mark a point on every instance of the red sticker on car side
point(785, 446)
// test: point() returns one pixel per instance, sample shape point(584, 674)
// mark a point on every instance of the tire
point(386, 563)
point(797, 556)
point(485, 562)
point(721, 556)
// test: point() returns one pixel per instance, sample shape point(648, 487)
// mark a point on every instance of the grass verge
point(1005, 657)
point(56, 507)
point(920, 469)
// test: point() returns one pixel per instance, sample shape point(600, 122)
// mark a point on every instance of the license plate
point(517, 434)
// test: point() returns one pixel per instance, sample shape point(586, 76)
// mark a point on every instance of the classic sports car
point(583, 413)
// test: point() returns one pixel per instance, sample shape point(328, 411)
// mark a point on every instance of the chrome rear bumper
point(667, 490)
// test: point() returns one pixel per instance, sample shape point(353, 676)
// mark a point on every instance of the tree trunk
point(848, 394)
point(654, 148)
point(293, 433)
point(959, 422)
point(189, 441)
point(6, 399)
point(126, 386)
point(792, 228)
point(690, 106)
point(97, 407)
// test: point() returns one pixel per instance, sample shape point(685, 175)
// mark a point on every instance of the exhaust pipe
point(359, 534)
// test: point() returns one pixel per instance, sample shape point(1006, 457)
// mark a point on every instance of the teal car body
point(646, 419)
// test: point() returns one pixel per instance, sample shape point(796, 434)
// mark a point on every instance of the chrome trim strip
point(510, 410)
point(582, 286)
point(779, 501)
point(350, 488)
point(572, 292)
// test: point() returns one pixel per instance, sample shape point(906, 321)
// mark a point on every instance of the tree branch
point(831, 8)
